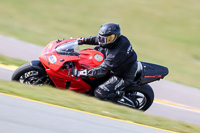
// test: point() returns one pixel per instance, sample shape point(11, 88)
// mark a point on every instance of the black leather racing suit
point(120, 61)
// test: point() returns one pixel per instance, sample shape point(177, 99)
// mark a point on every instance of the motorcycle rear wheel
point(142, 97)
point(29, 75)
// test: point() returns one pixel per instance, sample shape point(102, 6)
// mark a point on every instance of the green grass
point(93, 105)
point(11, 61)
point(162, 32)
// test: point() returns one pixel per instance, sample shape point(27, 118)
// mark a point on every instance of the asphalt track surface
point(19, 115)
point(186, 99)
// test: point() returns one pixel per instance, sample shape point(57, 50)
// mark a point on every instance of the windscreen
point(68, 48)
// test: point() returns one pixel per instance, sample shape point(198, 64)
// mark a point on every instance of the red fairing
point(59, 52)
point(90, 58)
point(50, 52)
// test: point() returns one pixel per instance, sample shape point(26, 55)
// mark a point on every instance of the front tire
point(30, 75)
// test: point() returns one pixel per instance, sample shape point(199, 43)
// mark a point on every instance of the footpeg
point(120, 93)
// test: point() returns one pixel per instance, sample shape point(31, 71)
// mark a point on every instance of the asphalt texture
point(5, 74)
point(18, 49)
point(165, 90)
point(177, 93)
point(174, 113)
point(22, 116)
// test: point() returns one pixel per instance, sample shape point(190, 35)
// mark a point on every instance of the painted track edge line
point(10, 67)
point(86, 112)
point(165, 102)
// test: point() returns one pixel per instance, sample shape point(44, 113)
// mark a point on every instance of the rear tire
point(143, 96)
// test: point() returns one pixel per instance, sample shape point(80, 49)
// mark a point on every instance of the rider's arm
point(99, 71)
point(93, 40)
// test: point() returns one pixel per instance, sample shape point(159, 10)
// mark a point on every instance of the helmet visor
point(110, 38)
point(107, 39)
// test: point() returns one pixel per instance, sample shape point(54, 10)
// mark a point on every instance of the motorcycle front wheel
point(29, 75)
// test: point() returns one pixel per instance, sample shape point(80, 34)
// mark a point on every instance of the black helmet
point(108, 34)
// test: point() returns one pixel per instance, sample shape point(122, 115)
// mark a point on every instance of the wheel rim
point(33, 77)
point(135, 100)
point(140, 100)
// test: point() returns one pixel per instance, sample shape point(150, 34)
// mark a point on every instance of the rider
point(120, 60)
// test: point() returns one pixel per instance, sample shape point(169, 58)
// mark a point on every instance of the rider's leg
point(108, 89)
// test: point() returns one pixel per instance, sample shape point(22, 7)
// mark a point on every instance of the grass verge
point(11, 61)
point(89, 104)
point(162, 32)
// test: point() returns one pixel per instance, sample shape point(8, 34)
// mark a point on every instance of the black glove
point(80, 41)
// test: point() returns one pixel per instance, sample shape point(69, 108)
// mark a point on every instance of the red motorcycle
point(60, 57)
